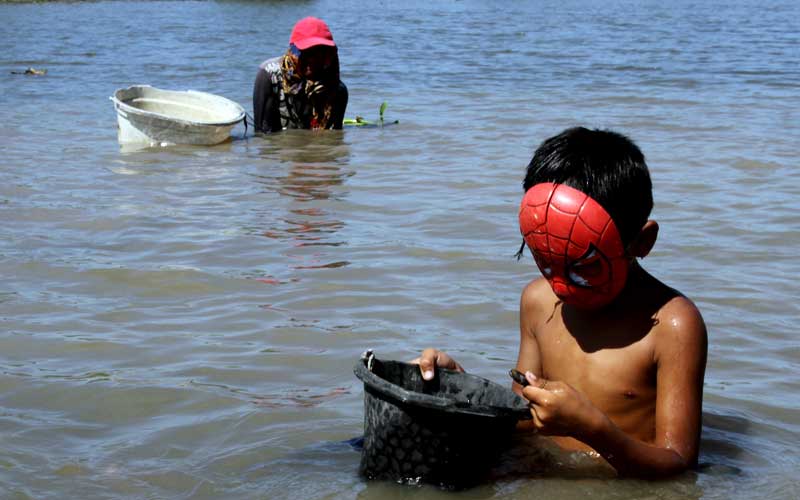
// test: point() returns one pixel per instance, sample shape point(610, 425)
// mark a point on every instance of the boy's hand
point(558, 409)
point(433, 358)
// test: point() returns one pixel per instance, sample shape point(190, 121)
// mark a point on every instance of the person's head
point(312, 42)
point(588, 196)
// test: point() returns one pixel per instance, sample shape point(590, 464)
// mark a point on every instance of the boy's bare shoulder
point(538, 293)
point(679, 326)
point(537, 300)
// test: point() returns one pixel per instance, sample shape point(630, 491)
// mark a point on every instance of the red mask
point(575, 243)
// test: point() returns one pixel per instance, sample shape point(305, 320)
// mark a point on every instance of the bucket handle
point(369, 357)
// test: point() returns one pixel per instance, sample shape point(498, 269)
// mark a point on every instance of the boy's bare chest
point(616, 371)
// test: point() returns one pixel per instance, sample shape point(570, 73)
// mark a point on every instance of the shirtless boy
point(613, 357)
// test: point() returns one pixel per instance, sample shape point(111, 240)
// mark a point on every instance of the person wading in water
point(301, 89)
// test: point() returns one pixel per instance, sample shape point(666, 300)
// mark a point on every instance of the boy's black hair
point(603, 164)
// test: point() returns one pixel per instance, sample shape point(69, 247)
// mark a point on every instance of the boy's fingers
point(427, 362)
point(443, 360)
point(535, 381)
point(432, 358)
point(535, 394)
point(537, 422)
point(536, 391)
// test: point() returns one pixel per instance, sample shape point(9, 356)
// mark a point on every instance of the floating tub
point(147, 114)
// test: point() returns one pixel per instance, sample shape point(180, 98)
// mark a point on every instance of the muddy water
point(182, 322)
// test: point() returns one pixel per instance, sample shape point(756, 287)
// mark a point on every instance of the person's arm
point(261, 88)
point(529, 358)
point(265, 104)
point(340, 106)
point(558, 409)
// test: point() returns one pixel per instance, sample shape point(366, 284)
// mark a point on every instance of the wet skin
point(624, 381)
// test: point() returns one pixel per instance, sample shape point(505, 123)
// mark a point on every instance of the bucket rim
point(389, 390)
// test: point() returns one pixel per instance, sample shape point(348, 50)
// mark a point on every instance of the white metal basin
point(147, 114)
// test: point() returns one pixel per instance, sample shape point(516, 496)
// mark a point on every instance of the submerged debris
point(31, 71)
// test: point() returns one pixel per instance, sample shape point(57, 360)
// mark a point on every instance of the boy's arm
point(530, 314)
point(529, 358)
point(680, 359)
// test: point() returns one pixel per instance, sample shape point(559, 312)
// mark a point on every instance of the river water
point(182, 322)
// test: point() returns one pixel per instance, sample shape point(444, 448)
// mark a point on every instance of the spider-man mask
point(575, 243)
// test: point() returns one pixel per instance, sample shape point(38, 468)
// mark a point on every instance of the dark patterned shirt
point(274, 110)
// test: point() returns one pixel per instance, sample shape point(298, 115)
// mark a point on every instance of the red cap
point(309, 32)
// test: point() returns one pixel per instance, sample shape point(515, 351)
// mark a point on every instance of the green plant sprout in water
point(359, 121)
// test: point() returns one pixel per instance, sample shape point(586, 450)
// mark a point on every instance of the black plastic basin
point(448, 431)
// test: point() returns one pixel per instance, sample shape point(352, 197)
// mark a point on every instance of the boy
point(614, 359)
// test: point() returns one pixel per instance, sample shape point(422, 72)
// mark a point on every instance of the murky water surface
point(181, 322)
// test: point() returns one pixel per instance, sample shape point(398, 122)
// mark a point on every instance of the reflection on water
point(532, 469)
point(315, 167)
point(315, 162)
point(296, 398)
